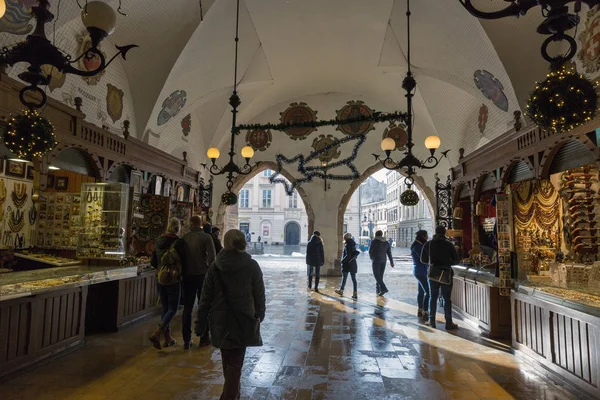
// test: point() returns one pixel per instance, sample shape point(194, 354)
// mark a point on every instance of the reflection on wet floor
point(317, 346)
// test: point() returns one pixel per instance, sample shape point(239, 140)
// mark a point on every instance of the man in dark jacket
point(315, 258)
point(349, 265)
point(440, 253)
point(201, 253)
point(379, 250)
point(215, 232)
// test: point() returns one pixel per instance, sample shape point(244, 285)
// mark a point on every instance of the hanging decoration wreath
point(564, 100)
point(409, 198)
point(29, 135)
point(229, 198)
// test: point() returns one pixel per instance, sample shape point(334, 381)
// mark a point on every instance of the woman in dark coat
point(233, 300)
point(315, 258)
point(420, 272)
point(349, 265)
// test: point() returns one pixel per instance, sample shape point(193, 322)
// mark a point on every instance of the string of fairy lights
point(29, 135)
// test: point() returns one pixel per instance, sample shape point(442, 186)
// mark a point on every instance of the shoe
point(169, 341)
point(430, 324)
point(204, 343)
point(355, 295)
point(339, 291)
point(188, 345)
point(316, 290)
point(420, 314)
point(425, 316)
point(383, 292)
point(310, 283)
point(451, 326)
point(155, 337)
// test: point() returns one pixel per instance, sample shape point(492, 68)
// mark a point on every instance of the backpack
point(169, 271)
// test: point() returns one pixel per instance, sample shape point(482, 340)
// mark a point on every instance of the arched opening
point(121, 174)
point(292, 234)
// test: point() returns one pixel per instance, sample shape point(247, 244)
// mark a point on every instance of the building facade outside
point(392, 203)
point(374, 218)
point(412, 218)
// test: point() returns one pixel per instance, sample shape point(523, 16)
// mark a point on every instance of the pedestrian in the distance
point(378, 252)
point(315, 258)
point(349, 265)
point(420, 272)
point(215, 232)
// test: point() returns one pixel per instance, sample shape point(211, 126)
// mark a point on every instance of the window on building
point(345, 227)
point(293, 200)
point(267, 173)
point(267, 199)
point(244, 198)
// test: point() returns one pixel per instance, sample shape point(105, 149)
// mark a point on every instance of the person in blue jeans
point(349, 265)
point(441, 253)
point(378, 252)
point(420, 272)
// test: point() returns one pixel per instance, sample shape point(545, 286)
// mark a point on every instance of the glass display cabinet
point(104, 209)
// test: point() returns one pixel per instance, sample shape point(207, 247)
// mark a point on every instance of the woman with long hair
point(420, 272)
point(349, 265)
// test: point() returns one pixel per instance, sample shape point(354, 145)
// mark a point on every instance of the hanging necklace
point(2, 191)
point(16, 220)
point(19, 194)
point(95, 195)
point(32, 215)
point(88, 198)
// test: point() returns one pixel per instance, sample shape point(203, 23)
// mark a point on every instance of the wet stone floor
point(317, 346)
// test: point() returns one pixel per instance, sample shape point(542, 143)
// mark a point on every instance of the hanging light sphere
point(432, 142)
point(213, 153)
point(229, 198)
point(247, 152)
point(409, 198)
point(2, 8)
point(98, 15)
point(388, 144)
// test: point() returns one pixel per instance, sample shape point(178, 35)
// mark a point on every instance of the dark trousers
point(423, 292)
point(233, 361)
point(378, 270)
point(169, 299)
point(192, 288)
point(434, 292)
point(317, 274)
point(345, 277)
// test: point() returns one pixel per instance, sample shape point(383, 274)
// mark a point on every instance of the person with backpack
point(420, 272)
point(349, 265)
point(315, 258)
point(440, 254)
point(378, 252)
point(168, 257)
point(233, 300)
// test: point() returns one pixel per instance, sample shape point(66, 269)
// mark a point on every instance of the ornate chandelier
point(558, 20)
point(231, 168)
point(100, 21)
point(410, 163)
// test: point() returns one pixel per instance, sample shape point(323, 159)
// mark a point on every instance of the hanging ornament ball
point(29, 135)
point(229, 198)
point(409, 198)
point(563, 101)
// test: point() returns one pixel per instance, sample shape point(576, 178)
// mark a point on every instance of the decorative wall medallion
point(91, 63)
point(114, 102)
point(297, 113)
point(17, 17)
point(259, 139)
point(321, 143)
point(171, 106)
point(355, 109)
point(186, 125)
point(589, 54)
point(398, 133)
point(483, 118)
point(57, 79)
point(491, 88)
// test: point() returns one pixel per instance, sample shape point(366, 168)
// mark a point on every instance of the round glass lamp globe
point(99, 15)
point(432, 142)
point(247, 152)
point(213, 153)
point(2, 8)
point(388, 144)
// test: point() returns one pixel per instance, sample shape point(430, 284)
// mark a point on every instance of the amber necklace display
point(16, 219)
point(19, 194)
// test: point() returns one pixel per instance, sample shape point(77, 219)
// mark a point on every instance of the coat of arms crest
point(114, 102)
point(89, 62)
point(186, 125)
point(589, 54)
point(171, 106)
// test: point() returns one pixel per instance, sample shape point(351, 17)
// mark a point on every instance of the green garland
point(409, 198)
point(229, 198)
point(29, 136)
point(375, 118)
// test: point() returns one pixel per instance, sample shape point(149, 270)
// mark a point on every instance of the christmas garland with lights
point(284, 126)
point(564, 100)
point(409, 198)
point(29, 135)
point(310, 172)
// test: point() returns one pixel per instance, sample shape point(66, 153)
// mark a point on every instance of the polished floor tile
point(317, 346)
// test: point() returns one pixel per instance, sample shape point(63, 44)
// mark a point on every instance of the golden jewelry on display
point(16, 220)
point(19, 194)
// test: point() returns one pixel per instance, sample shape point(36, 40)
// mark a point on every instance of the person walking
point(315, 258)
point(215, 232)
point(201, 253)
point(379, 250)
point(420, 272)
point(440, 254)
point(166, 245)
point(349, 265)
point(233, 299)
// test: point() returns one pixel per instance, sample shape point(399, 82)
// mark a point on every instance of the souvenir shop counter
point(476, 296)
point(47, 312)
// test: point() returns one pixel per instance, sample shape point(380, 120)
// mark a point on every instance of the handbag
point(436, 273)
point(247, 325)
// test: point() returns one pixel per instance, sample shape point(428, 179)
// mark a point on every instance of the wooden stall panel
point(529, 325)
point(61, 318)
point(15, 330)
point(458, 293)
point(477, 298)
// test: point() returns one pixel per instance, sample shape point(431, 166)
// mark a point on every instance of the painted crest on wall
point(299, 112)
point(483, 118)
point(114, 102)
point(171, 106)
point(355, 109)
point(18, 16)
point(398, 133)
point(86, 63)
point(321, 143)
point(186, 125)
point(259, 139)
point(491, 88)
point(589, 54)
point(57, 78)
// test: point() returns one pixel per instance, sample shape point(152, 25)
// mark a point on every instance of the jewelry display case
point(104, 218)
point(59, 220)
